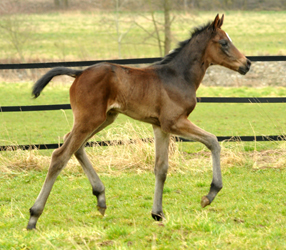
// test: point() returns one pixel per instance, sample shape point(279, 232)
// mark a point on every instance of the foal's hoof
point(101, 210)
point(29, 227)
point(158, 217)
point(205, 201)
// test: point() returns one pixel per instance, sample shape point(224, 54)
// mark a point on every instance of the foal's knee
point(213, 144)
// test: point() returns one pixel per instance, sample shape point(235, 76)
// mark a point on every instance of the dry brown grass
point(139, 157)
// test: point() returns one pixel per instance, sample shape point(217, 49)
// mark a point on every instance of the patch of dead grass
point(140, 156)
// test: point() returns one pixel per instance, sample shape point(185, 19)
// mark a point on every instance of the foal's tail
point(45, 79)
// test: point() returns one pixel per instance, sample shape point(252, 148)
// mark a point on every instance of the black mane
point(169, 57)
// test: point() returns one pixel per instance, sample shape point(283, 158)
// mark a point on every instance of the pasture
point(249, 212)
point(92, 35)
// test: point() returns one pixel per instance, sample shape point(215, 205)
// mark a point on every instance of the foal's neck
point(191, 62)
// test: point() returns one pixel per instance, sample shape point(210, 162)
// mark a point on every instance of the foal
point(163, 94)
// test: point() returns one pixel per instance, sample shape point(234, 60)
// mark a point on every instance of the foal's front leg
point(161, 168)
point(186, 129)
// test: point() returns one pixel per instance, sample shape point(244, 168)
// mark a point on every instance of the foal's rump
point(121, 75)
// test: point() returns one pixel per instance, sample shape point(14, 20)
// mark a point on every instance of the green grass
point(92, 35)
point(219, 119)
point(249, 213)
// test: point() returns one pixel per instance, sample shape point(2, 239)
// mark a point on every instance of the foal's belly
point(151, 119)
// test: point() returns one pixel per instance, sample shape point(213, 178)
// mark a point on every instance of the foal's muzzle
point(244, 69)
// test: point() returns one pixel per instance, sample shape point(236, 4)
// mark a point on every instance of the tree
point(121, 22)
point(120, 34)
point(161, 27)
point(18, 32)
point(61, 3)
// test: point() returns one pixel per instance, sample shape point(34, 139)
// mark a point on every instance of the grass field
point(92, 35)
point(249, 213)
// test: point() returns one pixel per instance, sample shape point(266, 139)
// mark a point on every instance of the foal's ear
point(220, 22)
point(215, 23)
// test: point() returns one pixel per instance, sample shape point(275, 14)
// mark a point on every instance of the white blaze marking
point(228, 37)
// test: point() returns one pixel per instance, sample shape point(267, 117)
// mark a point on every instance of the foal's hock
point(163, 94)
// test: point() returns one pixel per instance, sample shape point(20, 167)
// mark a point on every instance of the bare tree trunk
point(186, 5)
point(61, 3)
point(167, 43)
point(57, 3)
point(66, 3)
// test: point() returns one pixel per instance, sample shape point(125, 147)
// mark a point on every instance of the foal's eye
point(223, 43)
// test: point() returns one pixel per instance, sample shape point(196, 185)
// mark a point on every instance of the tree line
point(32, 6)
point(135, 5)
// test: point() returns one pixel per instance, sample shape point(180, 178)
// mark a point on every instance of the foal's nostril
point(245, 68)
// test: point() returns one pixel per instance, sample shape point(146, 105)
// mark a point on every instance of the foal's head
point(221, 51)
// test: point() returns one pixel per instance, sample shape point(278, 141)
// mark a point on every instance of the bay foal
point(163, 94)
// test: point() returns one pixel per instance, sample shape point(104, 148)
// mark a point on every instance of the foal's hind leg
point(186, 129)
point(97, 186)
point(59, 160)
point(161, 168)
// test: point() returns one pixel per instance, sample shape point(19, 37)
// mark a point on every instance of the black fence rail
point(118, 61)
point(136, 61)
point(150, 140)
point(78, 63)
point(199, 99)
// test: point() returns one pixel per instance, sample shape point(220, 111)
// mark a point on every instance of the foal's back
point(142, 94)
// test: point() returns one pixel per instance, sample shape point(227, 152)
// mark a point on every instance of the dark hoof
point(101, 210)
point(31, 227)
point(205, 201)
point(158, 217)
